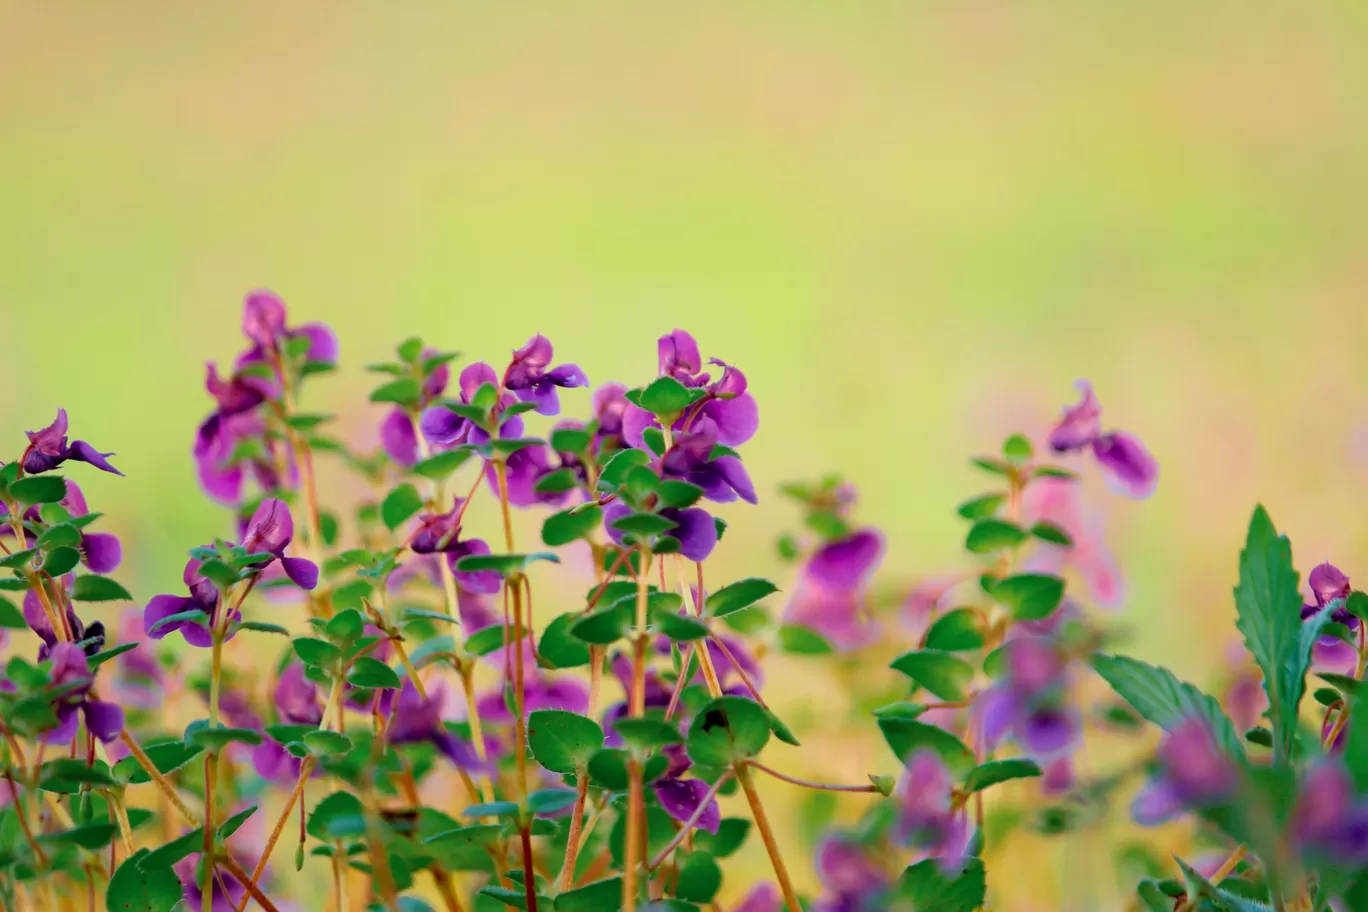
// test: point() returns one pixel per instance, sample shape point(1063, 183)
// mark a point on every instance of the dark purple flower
point(694, 529)
point(417, 719)
point(439, 533)
point(1029, 702)
point(681, 798)
point(39, 623)
point(1194, 773)
point(1328, 819)
point(694, 458)
point(270, 530)
point(851, 876)
point(829, 594)
point(926, 817)
point(727, 403)
point(445, 429)
point(530, 380)
point(296, 697)
point(226, 446)
point(1129, 466)
point(48, 449)
point(203, 597)
point(610, 405)
point(72, 678)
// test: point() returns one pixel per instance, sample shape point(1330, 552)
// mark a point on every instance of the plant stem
point(166, 788)
point(767, 834)
point(529, 880)
point(794, 780)
point(476, 733)
point(207, 844)
point(572, 844)
point(636, 807)
point(23, 821)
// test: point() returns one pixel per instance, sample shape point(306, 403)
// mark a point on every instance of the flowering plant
point(441, 746)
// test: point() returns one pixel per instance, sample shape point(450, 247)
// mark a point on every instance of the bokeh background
point(912, 224)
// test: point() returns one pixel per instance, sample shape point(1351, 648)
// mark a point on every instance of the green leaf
point(10, 616)
point(1051, 533)
point(166, 757)
point(317, 652)
point(906, 735)
point(1268, 613)
point(594, 897)
point(194, 614)
point(1357, 605)
point(219, 573)
point(1030, 596)
point(334, 814)
point(372, 674)
point(738, 595)
point(134, 888)
point(560, 647)
point(956, 631)
point(307, 422)
point(231, 825)
point(731, 835)
point(568, 525)
point(89, 836)
point(671, 492)
point(800, 640)
point(71, 770)
point(644, 524)
point(571, 440)
point(406, 391)
point(325, 743)
point(18, 559)
point(943, 674)
point(981, 507)
point(562, 741)
point(607, 625)
point(665, 397)
point(38, 489)
point(647, 734)
point(410, 350)
point(439, 466)
point(483, 642)
point(728, 729)
point(492, 809)
point(504, 564)
point(345, 627)
point(988, 535)
point(1162, 699)
point(508, 445)
point(931, 890)
point(678, 627)
point(400, 504)
point(215, 739)
point(549, 801)
point(698, 878)
point(61, 560)
point(557, 482)
point(1017, 448)
point(992, 772)
point(260, 627)
point(64, 535)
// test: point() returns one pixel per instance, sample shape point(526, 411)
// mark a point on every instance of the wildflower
point(439, 533)
point(610, 404)
point(1059, 502)
point(1330, 586)
point(926, 819)
point(228, 445)
point(726, 402)
point(398, 435)
point(263, 323)
point(851, 876)
point(73, 679)
point(269, 532)
point(203, 597)
point(1029, 702)
point(38, 620)
point(444, 429)
point(1129, 466)
point(296, 697)
point(1328, 820)
point(694, 529)
point(138, 680)
point(101, 552)
point(540, 689)
point(829, 594)
point(693, 457)
point(527, 376)
point(1194, 774)
point(48, 449)
point(414, 718)
point(763, 897)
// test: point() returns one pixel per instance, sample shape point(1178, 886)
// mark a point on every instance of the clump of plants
point(420, 739)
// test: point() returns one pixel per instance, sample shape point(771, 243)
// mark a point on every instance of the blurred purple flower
point(531, 381)
point(1330, 586)
point(48, 448)
point(1128, 465)
point(440, 533)
point(694, 529)
point(1194, 774)
point(72, 678)
point(264, 324)
point(763, 897)
point(227, 445)
point(417, 719)
point(1328, 819)
point(829, 594)
point(296, 697)
point(926, 819)
point(850, 875)
point(1029, 702)
point(1059, 501)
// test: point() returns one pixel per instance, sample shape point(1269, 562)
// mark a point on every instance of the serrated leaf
point(728, 729)
point(1162, 699)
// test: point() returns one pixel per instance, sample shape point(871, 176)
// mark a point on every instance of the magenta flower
point(263, 323)
point(829, 595)
point(1059, 501)
point(445, 429)
point(203, 597)
point(727, 403)
point(71, 675)
point(227, 446)
point(1328, 820)
point(1029, 702)
point(851, 876)
point(269, 532)
point(692, 457)
point(296, 697)
point(531, 381)
point(1329, 585)
point(1128, 465)
point(610, 406)
point(439, 533)
point(416, 719)
point(1194, 774)
point(694, 529)
point(763, 897)
point(926, 820)
point(48, 449)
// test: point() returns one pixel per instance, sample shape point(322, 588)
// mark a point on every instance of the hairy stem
point(767, 834)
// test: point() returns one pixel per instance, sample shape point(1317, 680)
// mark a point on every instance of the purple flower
point(763, 897)
point(851, 876)
point(525, 467)
point(72, 678)
point(693, 457)
point(1129, 466)
point(530, 380)
point(1194, 774)
point(203, 597)
point(727, 403)
point(100, 551)
point(445, 429)
point(417, 719)
point(1029, 702)
point(226, 445)
point(610, 405)
point(1328, 820)
point(439, 533)
point(138, 680)
point(296, 697)
point(694, 529)
point(37, 619)
point(829, 594)
point(540, 690)
point(926, 817)
point(48, 449)
point(1059, 501)
point(681, 799)
point(263, 323)
point(269, 532)
point(1329, 585)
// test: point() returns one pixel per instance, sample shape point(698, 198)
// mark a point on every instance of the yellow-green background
point(912, 224)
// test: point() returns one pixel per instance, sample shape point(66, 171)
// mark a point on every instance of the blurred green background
point(912, 224)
